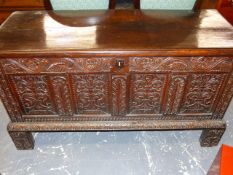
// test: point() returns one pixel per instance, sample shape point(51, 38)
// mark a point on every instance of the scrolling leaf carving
point(202, 92)
point(38, 65)
point(91, 92)
point(34, 94)
point(146, 93)
point(174, 64)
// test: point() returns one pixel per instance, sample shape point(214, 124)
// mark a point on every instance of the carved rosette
point(34, 94)
point(175, 93)
point(119, 106)
point(202, 92)
point(62, 95)
point(146, 93)
point(91, 92)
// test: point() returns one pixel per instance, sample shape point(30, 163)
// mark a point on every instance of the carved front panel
point(146, 93)
point(33, 94)
point(92, 89)
point(91, 93)
point(202, 90)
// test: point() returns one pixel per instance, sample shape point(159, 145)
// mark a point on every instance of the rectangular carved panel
point(91, 91)
point(33, 93)
point(202, 90)
point(62, 95)
point(180, 64)
point(58, 65)
point(119, 104)
point(146, 93)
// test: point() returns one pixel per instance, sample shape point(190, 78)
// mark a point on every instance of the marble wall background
point(115, 153)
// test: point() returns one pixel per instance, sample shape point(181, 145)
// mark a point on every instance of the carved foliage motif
point(154, 64)
point(119, 83)
point(62, 95)
point(22, 65)
point(36, 65)
point(146, 93)
point(202, 92)
point(103, 64)
point(175, 93)
point(91, 93)
point(34, 94)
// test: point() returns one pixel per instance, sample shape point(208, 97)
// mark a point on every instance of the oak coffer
point(116, 70)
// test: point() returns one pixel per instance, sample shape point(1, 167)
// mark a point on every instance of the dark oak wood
point(112, 4)
point(225, 7)
point(136, 4)
point(9, 6)
point(136, 31)
point(116, 70)
point(205, 4)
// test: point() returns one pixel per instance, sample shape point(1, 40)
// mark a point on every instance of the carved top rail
point(105, 64)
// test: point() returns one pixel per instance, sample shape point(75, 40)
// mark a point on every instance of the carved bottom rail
point(20, 132)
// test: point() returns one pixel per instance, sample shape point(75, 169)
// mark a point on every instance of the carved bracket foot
point(211, 137)
point(22, 140)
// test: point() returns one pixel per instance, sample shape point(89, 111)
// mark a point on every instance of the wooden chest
point(116, 70)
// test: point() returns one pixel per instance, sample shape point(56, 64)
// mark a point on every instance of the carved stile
point(175, 93)
point(119, 104)
point(9, 101)
point(62, 95)
point(225, 99)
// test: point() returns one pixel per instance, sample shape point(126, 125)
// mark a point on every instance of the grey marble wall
point(110, 153)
